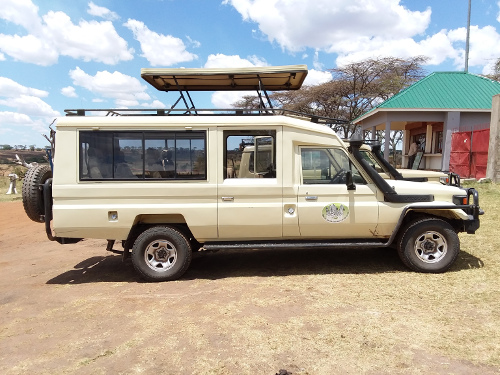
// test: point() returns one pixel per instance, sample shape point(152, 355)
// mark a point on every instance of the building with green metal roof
point(432, 109)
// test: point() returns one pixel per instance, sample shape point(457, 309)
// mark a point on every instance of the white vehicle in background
point(371, 151)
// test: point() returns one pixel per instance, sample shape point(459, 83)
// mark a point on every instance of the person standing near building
point(412, 153)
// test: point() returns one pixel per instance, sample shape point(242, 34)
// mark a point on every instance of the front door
point(250, 196)
point(326, 207)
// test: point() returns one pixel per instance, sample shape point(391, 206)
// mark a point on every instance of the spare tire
point(32, 192)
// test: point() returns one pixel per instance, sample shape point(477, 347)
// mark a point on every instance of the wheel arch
point(428, 244)
point(145, 221)
point(413, 214)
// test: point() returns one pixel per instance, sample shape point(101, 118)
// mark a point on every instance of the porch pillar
point(374, 133)
point(406, 147)
point(451, 124)
point(428, 145)
point(387, 139)
point(428, 139)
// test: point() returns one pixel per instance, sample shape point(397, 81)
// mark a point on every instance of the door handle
point(311, 197)
point(227, 199)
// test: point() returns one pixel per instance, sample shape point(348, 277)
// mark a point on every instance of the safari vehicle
point(168, 183)
point(372, 153)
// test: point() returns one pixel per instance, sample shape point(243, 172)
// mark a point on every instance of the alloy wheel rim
point(431, 247)
point(160, 255)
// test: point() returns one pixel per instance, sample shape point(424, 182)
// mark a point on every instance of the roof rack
point(261, 79)
point(206, 112)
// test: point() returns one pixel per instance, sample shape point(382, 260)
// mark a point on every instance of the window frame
point(115, 135)
point(255, 133)
point(330, 153)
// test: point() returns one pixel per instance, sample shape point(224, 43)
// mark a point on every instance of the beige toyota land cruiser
point(166, 184)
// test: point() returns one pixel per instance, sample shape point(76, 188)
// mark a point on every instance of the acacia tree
point(354, 89)
point(368, 83)
point(495, 75)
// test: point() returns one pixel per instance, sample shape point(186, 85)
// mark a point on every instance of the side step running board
point(291, 244)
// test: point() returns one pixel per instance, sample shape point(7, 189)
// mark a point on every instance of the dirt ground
point(77, 309)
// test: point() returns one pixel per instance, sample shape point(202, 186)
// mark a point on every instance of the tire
point(161, 253)
point(32, 194)
point(429, 245)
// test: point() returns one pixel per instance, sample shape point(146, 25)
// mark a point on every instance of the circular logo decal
point(335, 212)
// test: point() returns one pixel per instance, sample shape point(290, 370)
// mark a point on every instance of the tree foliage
point(495, 75)
point(354, 89)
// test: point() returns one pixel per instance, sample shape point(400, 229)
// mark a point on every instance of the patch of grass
point(91, 360)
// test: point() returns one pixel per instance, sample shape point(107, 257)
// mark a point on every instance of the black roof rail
point(205, 112)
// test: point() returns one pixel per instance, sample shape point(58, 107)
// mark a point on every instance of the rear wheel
point(161, 253)
point(33, 194)
point(429, 245)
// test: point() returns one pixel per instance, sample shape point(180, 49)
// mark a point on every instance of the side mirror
point(349, 182)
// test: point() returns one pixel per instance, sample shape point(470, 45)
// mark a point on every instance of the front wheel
point(161, 253)
point(429, 245)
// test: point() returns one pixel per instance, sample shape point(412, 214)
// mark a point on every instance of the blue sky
point(60, 54)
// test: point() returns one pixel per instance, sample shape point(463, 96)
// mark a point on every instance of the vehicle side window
point(142, 155)
point(327, 166)
point(249, 154)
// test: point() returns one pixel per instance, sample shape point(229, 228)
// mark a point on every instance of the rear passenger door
point(326, 207)
point(250, 186)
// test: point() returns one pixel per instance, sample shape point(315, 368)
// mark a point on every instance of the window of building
point(142, 155)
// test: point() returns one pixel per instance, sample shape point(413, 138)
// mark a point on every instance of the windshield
point(372, 161)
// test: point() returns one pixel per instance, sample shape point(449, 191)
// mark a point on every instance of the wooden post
point(493, 166)
point(12, 187)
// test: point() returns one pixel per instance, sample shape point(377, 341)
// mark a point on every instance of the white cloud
point(438, 48)
point(193, 43)
point(30, 105)
point(55, 34)
point(31, 114)
point(322, 24)
point(154, 104)
point(484, 47)
point(125, 90)
point(317, 65)
point(89, 41)
point(124, 103)
point(102, 12)
point(69, 91)
point(226, 99)
point(10, 89)
point(22, 128)
point(14, 118)
point(29, 48)
point(159, 49)
point(317, 77)
point(359, 29)
point(21, 12)
point(233, 61)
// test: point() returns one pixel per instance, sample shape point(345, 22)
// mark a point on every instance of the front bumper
point(473, 211)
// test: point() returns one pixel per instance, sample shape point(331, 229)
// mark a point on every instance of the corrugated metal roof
point(446, 90)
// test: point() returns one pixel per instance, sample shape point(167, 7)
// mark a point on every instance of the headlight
point(460, 200)
point(444, 180)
